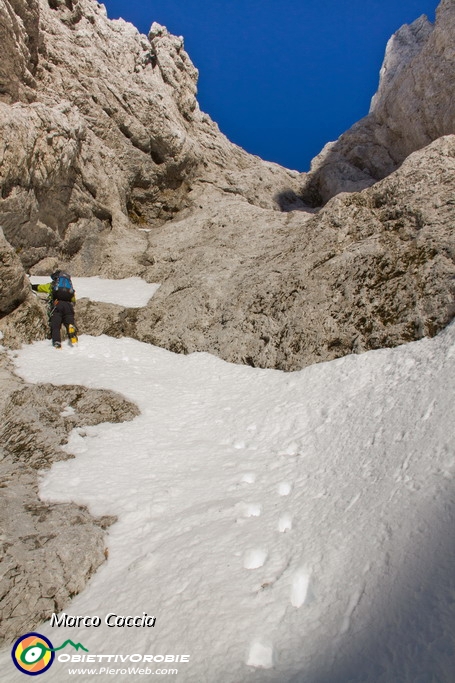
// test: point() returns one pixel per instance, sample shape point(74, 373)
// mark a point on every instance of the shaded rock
point(40, 146)
point(26, 324)
point(96, 318)
point(14, 287)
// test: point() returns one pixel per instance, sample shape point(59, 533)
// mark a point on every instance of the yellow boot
point(72, 335)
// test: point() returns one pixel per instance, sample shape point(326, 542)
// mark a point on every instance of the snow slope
point(281, 527)
point(132, 292)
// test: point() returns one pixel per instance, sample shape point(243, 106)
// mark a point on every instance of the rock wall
point(14, 287)
point(20, 40)
point(414, 105)
point(101, 134)
point(109, 167)
point(370, 270)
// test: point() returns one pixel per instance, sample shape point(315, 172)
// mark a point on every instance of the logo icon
point(33, 654)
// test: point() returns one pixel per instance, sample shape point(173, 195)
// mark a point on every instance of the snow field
point(132, 292)
point(275, 524)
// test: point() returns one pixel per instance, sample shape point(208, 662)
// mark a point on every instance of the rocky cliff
point(109, 167)
point(101, 135)
point(414, 105)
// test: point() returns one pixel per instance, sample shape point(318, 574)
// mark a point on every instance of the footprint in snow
point(300, 586)
point(292, 449)
point(239, 444)
point(253, 559)
point(260, 655)
point(249, 478)
point(253, 510)
point(285, 523)
point(284, 489)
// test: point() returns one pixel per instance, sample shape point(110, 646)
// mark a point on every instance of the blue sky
point(281, 77)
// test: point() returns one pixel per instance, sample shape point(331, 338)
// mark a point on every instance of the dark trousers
point(62, 313)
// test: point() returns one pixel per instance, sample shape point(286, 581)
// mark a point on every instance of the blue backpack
point(62, 288)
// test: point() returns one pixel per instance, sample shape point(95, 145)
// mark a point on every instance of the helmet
point(55, 275)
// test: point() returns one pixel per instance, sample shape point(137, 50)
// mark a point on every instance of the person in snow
point(61, 298)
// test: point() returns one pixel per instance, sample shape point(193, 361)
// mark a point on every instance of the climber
point(60, 300)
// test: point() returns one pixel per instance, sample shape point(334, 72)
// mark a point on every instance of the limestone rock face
point(414, 105)
point(101, 135)
point(401, 49)
point(14, 287)
point(176, 68)
point(371, 269)
point(26, 324)
point(20, 41)
point(417, 102)
point(109, 167)
point(38, 175)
